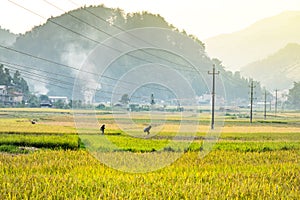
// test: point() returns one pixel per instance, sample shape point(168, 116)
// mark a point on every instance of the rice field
point(63, 158)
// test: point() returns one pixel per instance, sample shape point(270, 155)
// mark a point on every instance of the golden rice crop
point(23, 125)
point(255, 161)
point(220, 175)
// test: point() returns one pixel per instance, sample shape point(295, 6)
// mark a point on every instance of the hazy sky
point(203, 18)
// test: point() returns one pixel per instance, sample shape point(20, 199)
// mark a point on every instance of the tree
point(20, 83)
point(8, 78)
point(44, 98)
point(24, 86)
point(33, 101)
point(294, 96)
point(17, 78)
point(75, 104)
point(2, 75)
point(100, 106)
point(59, 104)
point(125, 99)
point(217, 62)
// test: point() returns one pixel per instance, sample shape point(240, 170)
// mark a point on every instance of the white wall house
point(54, 99)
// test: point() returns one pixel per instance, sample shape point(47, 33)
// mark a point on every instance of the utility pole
point(152, 102)
point(213, 73)
point(251, 101)
point(265, 111)
point(276, 102)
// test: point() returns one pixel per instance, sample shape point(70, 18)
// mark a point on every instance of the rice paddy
point(57, 158)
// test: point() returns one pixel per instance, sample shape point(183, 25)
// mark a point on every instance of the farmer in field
point(102, 128)
point(147, 129)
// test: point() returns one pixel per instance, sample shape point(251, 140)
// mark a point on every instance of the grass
point(13, 149)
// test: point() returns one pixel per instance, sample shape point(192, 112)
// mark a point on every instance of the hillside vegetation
point(67, 40)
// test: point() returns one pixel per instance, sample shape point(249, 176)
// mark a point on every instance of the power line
point(41, 81)
point(22, 68)
point(70, 67)
point(93, 40)
point(121, 29)
point(81, 36)
point(45, 79)
point(53, 62)
point(102, 76)
point(40, 78)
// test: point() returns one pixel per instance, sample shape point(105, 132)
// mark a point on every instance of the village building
point(9, 96)
point(55, 99)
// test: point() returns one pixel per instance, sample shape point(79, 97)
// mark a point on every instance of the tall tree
point(125, 99)
point(2, 75)
point(17, 78)
point(7, 78)
point(24, 86)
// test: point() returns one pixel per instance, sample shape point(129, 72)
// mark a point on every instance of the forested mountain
point(257, 41)
point(279, 70)
point(55, 51)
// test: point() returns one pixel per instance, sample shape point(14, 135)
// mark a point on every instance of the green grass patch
point(13, 149)
point(41, 141)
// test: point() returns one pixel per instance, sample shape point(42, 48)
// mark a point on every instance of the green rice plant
point(41, 141)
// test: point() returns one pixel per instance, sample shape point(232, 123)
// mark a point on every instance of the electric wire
point(93, 40)
point(57, 63)
point(45, 79)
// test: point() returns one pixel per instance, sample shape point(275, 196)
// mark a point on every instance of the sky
point(203, 18)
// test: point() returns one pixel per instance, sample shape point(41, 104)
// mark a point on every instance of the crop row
point(107, 143)
point(113, 143)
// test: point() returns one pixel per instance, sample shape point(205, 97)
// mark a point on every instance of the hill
point(67, 40)
point(257, 41)
point(279, 70)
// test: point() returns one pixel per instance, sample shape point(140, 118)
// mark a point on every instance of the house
point(55, 99)
point(9, 96)
point(46, 104)
point(204, 99)
point(3, 93)
point(16, 97)
point(3, 90)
